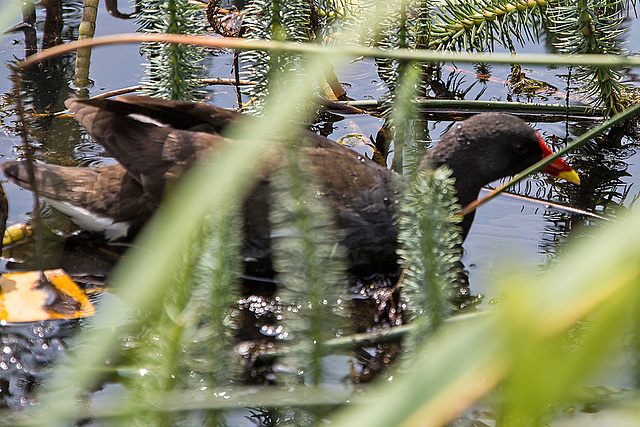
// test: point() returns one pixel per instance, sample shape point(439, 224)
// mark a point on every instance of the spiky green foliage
point(213, 304)
point(193, 331)
point(430, 242)
point(591, 26)
point(162, 335)
point(310, 267)
point(173, 69)
point(478, 24)
point(421, 24)
point(465, 25)
point(273, 20)
point(403, 25)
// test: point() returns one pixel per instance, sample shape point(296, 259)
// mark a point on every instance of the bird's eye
point(520, 148)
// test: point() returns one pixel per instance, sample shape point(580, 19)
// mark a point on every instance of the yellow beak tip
point(570, 176)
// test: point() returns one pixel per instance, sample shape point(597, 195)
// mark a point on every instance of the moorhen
point(154, 140)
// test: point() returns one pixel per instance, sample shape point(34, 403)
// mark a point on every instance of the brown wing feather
point(148, 150)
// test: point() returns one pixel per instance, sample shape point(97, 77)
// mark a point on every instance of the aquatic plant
point(173, 70)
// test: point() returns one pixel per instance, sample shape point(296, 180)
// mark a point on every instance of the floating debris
point(41, 295)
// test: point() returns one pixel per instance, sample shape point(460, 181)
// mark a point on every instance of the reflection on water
point(25, 350)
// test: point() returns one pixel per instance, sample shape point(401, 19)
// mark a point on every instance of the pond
point(508, 233)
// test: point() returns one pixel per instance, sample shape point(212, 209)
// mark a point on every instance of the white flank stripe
point(146, 119)
point(90, 221)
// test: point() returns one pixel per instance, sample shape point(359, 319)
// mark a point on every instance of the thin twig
point(343, 51)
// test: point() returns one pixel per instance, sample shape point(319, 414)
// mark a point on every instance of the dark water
point(507, 233)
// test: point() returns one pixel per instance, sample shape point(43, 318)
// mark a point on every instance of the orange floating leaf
point(42, 295)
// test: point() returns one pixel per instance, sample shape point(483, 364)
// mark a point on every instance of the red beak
point(559, 168)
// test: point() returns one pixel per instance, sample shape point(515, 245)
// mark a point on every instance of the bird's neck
point(467, 184)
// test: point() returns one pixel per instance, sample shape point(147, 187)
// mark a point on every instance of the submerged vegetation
point(172, 68)
point(172, 332)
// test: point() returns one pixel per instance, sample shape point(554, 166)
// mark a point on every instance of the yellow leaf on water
point(42, 295)
point(15, 233)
